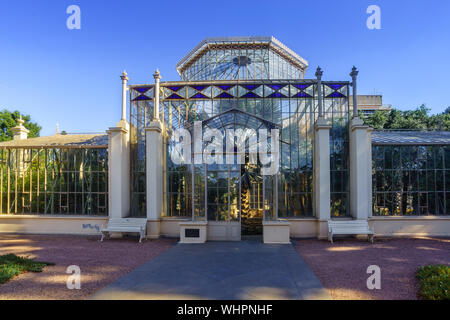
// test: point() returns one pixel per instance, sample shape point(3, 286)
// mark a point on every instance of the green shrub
point(12, 265)
point(434, 282)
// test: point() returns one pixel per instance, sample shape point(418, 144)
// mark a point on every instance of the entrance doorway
point(235, 198)
point(252, 200)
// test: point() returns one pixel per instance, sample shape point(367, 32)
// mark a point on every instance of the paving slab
point(220, 270)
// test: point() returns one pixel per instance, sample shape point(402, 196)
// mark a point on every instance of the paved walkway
point(220, 270)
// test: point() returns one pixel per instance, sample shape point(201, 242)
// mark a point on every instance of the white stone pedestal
point(360, 169)
point(155, 177)
point(276, 232)
point(193, 231)
point(119, 171)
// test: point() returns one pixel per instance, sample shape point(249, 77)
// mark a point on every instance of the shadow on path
point(220, 270)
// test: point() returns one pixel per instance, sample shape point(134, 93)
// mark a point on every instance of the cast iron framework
point(57, 181)
point(291, 104)
point(411, 180)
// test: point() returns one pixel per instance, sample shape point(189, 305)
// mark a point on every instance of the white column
point(322, 169)
point(157, 77)
point(360, 170)
point(118, 172)
point(360, 162)
point(321, 165)
point(322, 175)
point(124, 95)
point(155, 170)
point(369, 156)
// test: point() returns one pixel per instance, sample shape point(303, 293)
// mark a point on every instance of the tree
point(8, 120)
point(411, 119)
point(376, 120)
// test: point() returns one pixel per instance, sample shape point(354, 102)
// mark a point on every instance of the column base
point(322, 229)
point(153, 229)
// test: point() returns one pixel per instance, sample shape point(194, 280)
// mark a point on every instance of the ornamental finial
point(124, 76)
point(319, 73)
point(354, 72)
point(157, 75)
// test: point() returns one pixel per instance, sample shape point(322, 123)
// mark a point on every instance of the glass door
point(252, 200)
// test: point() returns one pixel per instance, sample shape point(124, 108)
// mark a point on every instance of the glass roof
point(241, 58)
point(411, 137)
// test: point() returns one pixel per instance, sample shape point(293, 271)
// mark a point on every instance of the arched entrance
point(232, 192)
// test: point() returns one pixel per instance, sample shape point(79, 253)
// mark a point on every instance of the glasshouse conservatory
point(241, 145)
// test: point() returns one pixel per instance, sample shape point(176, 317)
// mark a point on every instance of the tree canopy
point(8, 120)
point(419, 118)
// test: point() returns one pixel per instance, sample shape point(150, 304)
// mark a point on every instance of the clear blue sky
point(72, 76)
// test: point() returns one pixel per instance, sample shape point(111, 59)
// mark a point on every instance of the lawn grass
point(434, 282)
point(12, 265)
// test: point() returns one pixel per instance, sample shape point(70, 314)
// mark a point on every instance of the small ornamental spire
point(319, 74)
point(57, 128)
point(125, 79)
point(354, 75)
point(157, 77)
point(19, 131)
point(124, 76)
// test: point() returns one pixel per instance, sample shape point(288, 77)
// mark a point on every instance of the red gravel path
point(341, 267)
point(100, 263)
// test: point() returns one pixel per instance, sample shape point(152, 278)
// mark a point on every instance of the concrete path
point(220, 270)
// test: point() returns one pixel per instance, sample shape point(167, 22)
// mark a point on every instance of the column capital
point(354, 73)
point(116, 129)
point(124, 76)
point(358, 123)
point(155, 125)
point(322, 123)
point(319, 73)
point(157, 75)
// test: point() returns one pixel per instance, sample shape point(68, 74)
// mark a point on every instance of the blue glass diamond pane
point(276, 86)
point(142, 89)
point(141, 98)
point(250, 86)
point(302, 95)
point(175, 88)
point(224, 95)
point(335, 86)
point(225, 86)
point(199, 96)
point(277, 95)
point(250, 95)
point(301, 86)
point(199, 88)
point(174, 96)
point(336, 95)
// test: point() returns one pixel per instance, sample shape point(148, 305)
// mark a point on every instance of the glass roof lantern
point(241, 58)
